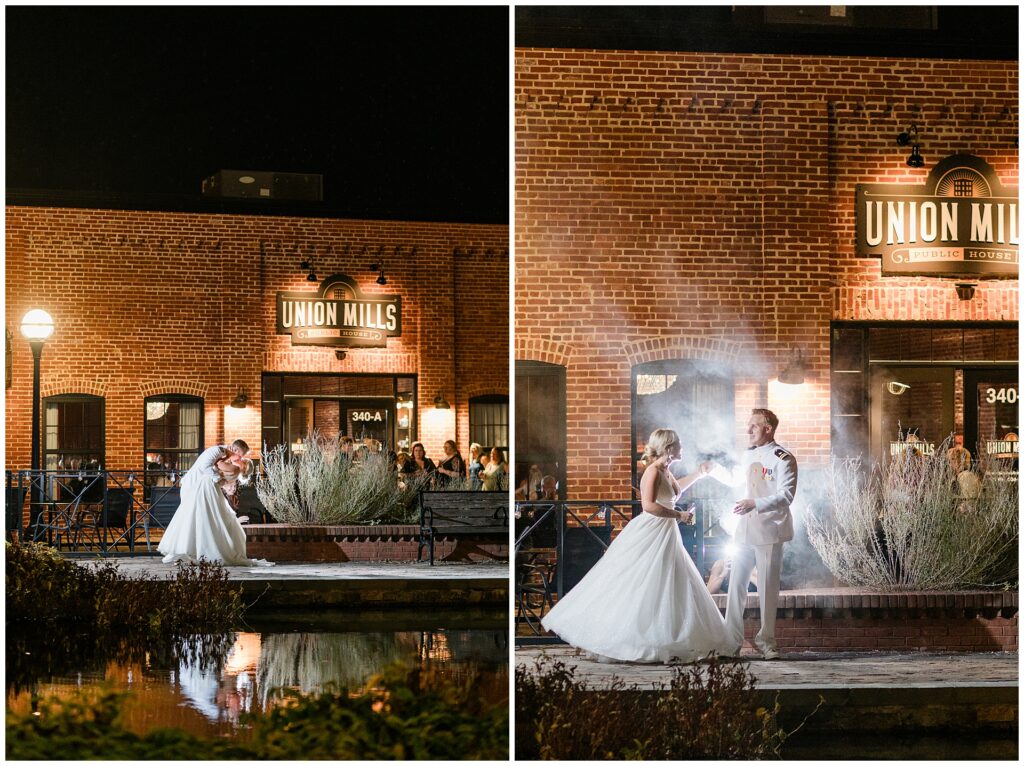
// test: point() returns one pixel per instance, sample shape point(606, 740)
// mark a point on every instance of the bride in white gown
point(645, 601)
point(205, 526)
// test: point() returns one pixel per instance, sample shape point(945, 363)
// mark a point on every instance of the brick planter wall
point(388, 542)
point(846, 619)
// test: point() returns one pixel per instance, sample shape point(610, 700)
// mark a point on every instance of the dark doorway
point(540, 422)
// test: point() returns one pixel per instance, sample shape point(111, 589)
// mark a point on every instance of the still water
point(206, 687)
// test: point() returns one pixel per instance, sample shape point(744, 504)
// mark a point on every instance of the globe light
point(37, 325)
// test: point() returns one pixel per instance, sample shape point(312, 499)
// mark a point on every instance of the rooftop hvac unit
point(254, 184)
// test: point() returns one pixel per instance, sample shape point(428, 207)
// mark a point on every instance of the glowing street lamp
point(37, 326)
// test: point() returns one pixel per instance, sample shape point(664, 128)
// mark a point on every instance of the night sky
point(403, 110)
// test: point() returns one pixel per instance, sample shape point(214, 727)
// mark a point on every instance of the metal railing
point(90, 509)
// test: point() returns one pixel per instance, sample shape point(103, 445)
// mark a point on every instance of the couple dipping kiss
point(645, 601)
point(205, 526)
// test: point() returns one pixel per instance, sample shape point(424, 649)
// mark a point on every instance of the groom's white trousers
point(768, 560)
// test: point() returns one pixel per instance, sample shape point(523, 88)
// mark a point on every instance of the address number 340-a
point(1002, 395)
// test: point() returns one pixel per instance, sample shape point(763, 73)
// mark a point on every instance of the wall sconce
point(441, 403)
point(793, 374)
point(241, 400)
point(340, 355)
point(910, 137)
point(965, 290)
point(381, 279)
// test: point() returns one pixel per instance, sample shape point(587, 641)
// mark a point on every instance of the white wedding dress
point(204, 526)
point(644, 601)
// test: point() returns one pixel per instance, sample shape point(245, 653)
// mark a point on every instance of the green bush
point(703, 713)
point(43, 586)
point(398, 715)
point(62, 615)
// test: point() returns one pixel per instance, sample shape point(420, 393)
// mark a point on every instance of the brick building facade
point(153, 304)
point(697, 207)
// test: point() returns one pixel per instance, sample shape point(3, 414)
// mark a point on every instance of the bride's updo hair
point(247, 470)
point(658, 444)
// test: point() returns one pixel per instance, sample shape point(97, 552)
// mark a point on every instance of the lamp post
point(37, 326)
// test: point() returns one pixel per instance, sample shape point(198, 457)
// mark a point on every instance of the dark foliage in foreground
point(399, 715)
point(43, 586)
point(704, 713)
point(61, 615)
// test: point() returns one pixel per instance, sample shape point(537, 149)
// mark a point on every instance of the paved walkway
point(351, 584)
point(815, 670)
point(153, 567)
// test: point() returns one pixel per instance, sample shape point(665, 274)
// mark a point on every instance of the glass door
point(915, 404)
point(369, 419)
point(991, 416)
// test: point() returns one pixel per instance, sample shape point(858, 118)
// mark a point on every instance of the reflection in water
point(204, 684)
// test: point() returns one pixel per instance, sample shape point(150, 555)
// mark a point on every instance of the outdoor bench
point(468, 514)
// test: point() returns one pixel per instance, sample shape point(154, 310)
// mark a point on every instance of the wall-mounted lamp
point(440, 402)
point(381, 279)
point(311, 276)
point(241, 400)
point(965, 290)
point(794, 372)
point(910, 137)
point(340, 355)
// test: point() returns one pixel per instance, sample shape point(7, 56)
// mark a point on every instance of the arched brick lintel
point(682, 347)
point(174, 386)
point(72, 386)
point(542, 350)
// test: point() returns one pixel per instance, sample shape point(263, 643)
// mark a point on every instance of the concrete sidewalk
point(875, 670)
point(348, 584)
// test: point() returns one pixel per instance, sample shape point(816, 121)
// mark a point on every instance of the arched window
point(693, 397)
point(73, 435)
point(173, 432)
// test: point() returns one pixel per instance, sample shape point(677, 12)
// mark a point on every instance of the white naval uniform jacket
point(206, 463)
point(769, 473)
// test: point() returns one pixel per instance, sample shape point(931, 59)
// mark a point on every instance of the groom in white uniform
point(206, 463)
point(765, 523)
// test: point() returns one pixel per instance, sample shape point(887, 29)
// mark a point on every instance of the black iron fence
point(99, 510)
point(557, 542)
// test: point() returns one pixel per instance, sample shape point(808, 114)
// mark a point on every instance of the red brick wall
point(152, 302)
point(678, 204)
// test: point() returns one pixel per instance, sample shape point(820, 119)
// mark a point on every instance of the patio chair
point(164, 501)
point(15, 505)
